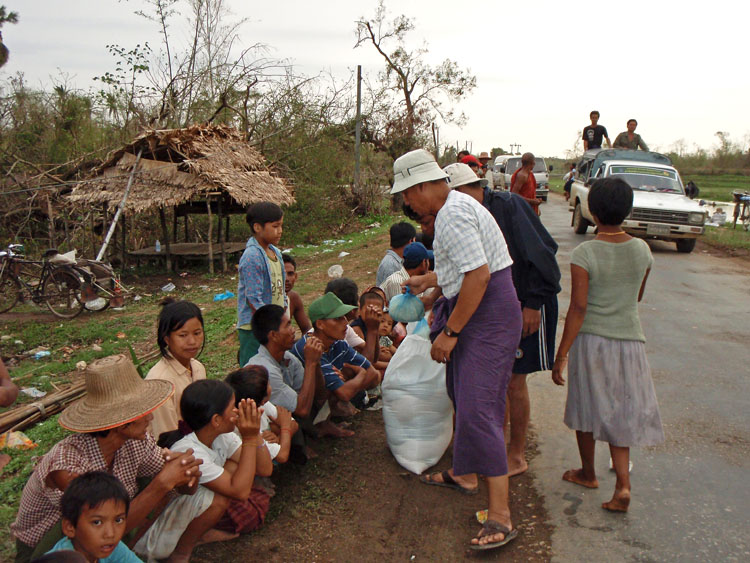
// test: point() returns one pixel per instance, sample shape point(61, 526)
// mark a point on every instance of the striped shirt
point(336, 356)
point(466, 238)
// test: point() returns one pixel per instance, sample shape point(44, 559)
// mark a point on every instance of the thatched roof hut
point(201, 169)
point(180, 165)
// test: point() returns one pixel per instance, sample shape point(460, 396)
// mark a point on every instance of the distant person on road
point(536, 277)
point(630, 139)
point(401, 234)
point(610, 392)
point(484, 159)
point(568, 180)
point(594, 133)
point(523, 182)
point(474, 164)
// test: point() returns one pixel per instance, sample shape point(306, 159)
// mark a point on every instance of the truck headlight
point(697, 218)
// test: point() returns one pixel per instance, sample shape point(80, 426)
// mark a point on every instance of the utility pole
point(358, 130)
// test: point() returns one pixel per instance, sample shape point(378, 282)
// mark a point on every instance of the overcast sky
point(679, 68)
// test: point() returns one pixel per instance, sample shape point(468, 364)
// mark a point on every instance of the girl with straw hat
point(110, 434)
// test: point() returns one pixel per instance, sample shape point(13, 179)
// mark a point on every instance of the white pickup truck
point(661, 210)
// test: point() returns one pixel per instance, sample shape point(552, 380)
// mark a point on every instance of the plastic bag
point(417, 412)
point(406, 307)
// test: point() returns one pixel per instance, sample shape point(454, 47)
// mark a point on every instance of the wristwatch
point(448, 332)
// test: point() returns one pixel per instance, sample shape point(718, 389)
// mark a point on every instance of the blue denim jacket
point(254, 286)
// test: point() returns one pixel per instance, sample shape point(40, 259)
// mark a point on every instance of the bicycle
point(58, 287)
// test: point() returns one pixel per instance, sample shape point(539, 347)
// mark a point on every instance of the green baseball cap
point(327, 307)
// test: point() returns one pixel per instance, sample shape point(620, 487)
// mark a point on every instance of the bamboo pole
point(165, 234)
point(222, 237)
point(210, 236)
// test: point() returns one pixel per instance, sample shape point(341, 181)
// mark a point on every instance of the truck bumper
point(662, 231)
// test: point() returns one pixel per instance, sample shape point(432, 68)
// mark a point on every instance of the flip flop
point(490, 528)
point(447, 482)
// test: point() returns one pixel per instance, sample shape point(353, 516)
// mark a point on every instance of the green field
point(718, 187)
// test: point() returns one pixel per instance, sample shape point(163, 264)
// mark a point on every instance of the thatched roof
point(178, 165)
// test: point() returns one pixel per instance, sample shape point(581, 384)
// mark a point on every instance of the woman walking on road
point(610, 392)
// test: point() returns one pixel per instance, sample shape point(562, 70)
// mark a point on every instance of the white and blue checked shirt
point(466, 237)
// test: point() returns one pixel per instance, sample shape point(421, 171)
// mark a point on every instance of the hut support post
point(210, 236)
point(222, 236)
point(174, 226)
point(165, 234)
point(123, 243)
point(111, 231)
point(186, 227)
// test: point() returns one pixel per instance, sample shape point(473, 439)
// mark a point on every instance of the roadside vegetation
point(94, 335)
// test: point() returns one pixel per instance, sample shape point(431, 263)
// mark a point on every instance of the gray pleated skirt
point(610, 392)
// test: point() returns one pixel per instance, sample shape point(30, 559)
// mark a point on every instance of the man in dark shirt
point(536, 277)
point(593, 134)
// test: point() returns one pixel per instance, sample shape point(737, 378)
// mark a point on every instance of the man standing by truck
point(593, 134)
point(523, 182)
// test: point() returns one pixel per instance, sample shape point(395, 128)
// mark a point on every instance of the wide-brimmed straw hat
point(115, 395)
point(414, 168)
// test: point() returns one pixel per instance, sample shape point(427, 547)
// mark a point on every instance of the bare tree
point(410, 93)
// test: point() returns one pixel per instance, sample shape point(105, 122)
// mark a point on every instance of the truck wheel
point(579, 223)
point(685, 245)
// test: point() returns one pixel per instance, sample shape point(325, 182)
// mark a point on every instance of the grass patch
point(718, 187)
point(71, 341)
point(727, 237)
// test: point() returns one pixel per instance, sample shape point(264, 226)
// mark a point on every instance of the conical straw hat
point(115, 395)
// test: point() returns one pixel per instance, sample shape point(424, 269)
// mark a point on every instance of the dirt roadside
point(354, 502)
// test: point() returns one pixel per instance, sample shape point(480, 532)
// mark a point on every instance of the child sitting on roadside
point(296, 308)
point(276, 423)
point(367, 324)
point(230, 463)
point(179, 335)
point(387, 348)
point(94, 515)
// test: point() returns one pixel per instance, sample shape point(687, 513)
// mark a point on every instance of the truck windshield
point(514, 164)
point(648, 179)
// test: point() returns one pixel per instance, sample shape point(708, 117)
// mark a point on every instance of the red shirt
point(528, 190)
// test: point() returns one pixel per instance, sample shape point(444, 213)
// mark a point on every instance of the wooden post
point(123, 243)
point(103, 255)
point(174, 226)
point(51, 219)
point(357, 136)
point(165, 234)
point(186, 227)
point(222, 236)
point(67, 230)
point(210, 236)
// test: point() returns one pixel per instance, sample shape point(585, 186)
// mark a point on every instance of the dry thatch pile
point(178, 165)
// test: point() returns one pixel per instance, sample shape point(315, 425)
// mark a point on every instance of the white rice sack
point(417, 412)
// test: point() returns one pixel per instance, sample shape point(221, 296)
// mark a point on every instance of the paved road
point(691, 497)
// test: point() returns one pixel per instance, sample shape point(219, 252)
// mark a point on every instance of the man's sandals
point(448, 482)
point(490, 528)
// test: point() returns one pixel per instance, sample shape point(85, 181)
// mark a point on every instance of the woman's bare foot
point(619, 503)
point(577, 476)
point(517, 466)
point(343, 409)
point(214, 535)
point(329, 428)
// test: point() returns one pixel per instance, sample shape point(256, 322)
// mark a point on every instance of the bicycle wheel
point(62, 294)
point(10, 291)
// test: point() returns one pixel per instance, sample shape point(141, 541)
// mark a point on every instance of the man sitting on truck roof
point(630, 139)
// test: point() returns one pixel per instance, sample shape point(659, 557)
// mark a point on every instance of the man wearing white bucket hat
point(536, 277)
point(475, 331)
